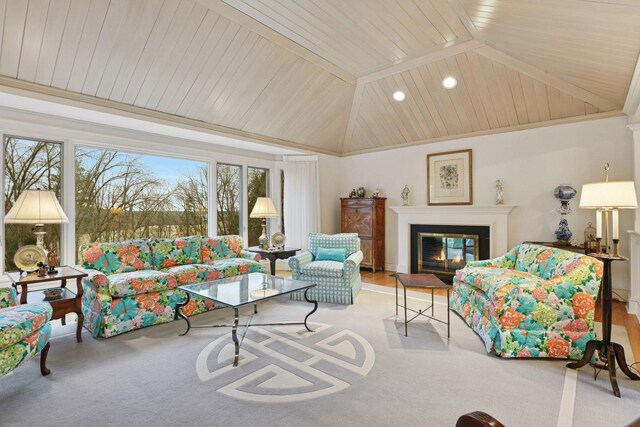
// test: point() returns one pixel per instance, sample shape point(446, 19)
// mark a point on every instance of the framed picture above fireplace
point(449, 180)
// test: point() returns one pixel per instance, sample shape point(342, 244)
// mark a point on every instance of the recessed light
point(399, 95)
point(449, 82)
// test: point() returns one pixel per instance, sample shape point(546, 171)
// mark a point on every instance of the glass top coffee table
point(246, 289)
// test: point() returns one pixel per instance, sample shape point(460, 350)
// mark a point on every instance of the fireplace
point(443, 249)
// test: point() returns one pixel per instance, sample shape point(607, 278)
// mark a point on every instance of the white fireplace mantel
point(496, 217)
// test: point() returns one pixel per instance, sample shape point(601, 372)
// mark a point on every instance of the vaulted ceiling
point(319, 74)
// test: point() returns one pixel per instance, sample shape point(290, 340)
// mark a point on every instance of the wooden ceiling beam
point(435, 54)
point(246, 21)
point(546, 78)
point(465, 19)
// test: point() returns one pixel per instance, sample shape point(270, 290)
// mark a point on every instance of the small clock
point(277, 240)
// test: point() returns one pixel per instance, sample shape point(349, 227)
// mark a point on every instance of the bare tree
point(190, 197)
point(29, 165)
point(228, 199)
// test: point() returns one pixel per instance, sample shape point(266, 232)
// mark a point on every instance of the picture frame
point(449, 178)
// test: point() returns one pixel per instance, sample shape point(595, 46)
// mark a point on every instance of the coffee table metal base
point(236, 318)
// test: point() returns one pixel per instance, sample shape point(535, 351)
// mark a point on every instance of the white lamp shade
point(609, 195)
point(264, 208)
point(36, 207)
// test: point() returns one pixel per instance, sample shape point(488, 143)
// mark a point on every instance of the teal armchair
point(24, 332)
point(337, 282)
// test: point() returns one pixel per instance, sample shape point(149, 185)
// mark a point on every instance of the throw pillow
point(331, 254)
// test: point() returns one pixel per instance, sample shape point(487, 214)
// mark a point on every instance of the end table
point(68, 302)
point(610, 350)
point(273, 254)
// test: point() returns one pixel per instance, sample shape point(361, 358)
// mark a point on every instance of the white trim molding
point(496, 217)
point(633, 304)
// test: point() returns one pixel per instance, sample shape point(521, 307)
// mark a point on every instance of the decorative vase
point(564, 193)
point(499, 193)
point(563, 234)
point(361, 192)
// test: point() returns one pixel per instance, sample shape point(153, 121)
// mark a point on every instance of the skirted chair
point(332, 262)
point(24, 332)
point(535, 301)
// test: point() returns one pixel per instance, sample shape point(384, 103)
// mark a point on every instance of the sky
point(169, 170)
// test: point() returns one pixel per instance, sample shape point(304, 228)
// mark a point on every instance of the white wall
point(531, 163)
point(330, 193)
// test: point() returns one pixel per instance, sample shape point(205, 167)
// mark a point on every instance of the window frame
point(63, 227)
point(71, 135)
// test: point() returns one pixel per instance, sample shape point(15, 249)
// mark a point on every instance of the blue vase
point(563, 232)
point(564, 192)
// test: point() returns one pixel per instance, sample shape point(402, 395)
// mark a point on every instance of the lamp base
point(264, 239)
point(38, 230)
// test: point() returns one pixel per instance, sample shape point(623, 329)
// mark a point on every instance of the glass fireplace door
point(444, 253)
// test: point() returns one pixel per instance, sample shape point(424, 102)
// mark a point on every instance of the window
point(29, 164)
point(256, 187)
point(229, 186)
point(122, 196)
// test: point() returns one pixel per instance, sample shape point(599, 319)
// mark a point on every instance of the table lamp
point(608, 197)
point(264, 208)
point(37, 207)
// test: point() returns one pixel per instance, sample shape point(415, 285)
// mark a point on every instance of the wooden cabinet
point(365, 216)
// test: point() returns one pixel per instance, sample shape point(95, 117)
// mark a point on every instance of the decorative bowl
point(53, 293)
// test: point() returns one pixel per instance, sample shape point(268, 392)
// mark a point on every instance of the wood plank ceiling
point(319, 74)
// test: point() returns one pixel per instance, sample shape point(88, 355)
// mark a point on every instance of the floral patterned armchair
point(132, 284)
point(24, 332)
point(535, 301)
point(337, 282)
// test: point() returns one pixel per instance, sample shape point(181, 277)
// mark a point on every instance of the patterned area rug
point(356, 368)
point(286, 364)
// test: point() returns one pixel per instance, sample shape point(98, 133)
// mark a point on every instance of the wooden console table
point(68, 302)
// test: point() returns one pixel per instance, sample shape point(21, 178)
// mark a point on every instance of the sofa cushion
point(220, 247)
point(545, 262)
point(236, 266)
point(348, 241)
point(116, 257)
point(500, 282)
point(17, 323)
point(140, 282)
point(194, 273)
point(179, 251)
point(323, 269)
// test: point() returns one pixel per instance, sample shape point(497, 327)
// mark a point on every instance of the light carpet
point(357, 368)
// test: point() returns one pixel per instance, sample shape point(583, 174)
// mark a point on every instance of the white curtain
point(301, 199)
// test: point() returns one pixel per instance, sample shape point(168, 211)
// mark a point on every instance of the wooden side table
point(273, 254)
point(610, 350)
point(421, 281)
point(68, 302)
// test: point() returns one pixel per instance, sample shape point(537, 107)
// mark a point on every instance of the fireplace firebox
point(443, 249)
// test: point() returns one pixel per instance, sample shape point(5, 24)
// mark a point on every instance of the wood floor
point(620, 315)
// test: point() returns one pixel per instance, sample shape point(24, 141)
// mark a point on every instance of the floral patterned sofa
point(24, 332)
point(132, 284)
point(535, 301)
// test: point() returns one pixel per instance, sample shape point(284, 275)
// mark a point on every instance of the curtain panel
point(301, 199)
